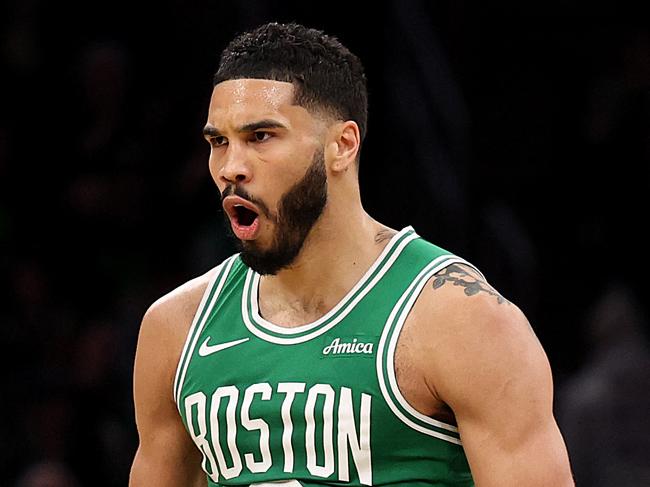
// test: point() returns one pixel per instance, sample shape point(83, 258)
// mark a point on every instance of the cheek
point(272, 187)
point(212, 167)
point(293, 168)
point(280, 181)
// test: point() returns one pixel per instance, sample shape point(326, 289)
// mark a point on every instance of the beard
point(298, 211)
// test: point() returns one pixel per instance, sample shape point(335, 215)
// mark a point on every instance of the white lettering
point(198, 399)
point(347, 436)
point(290, 389)
point(332, 346)
point(336, 347)
point(352, 441)
point(327, 468)
point(233, 395)
point(257, 424)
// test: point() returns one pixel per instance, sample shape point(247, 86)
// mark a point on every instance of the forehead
point(240, 101)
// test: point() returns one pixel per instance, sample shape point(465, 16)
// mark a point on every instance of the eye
point(217, 141)
point(260, 136)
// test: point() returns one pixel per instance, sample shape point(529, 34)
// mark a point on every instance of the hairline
point(317, 110)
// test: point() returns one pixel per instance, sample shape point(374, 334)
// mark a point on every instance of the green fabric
point(316, 403)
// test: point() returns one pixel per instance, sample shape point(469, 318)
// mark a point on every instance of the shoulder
point(167, 320)
point(463, 298)
point(459, 297)
point(474, 337)
point(181, 301)
point(182, 298)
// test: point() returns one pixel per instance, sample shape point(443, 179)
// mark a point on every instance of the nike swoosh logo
point(206, 349)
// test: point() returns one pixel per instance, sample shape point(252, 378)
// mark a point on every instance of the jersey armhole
point(386, 356)
point(208, 300)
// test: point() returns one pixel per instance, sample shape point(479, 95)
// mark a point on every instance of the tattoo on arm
point(458, 276)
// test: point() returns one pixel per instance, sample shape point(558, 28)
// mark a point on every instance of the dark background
point(517, 137)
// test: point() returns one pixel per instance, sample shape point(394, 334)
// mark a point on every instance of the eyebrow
point(267, 123)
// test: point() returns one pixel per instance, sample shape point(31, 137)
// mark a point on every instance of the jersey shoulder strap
point(210, 296)
point(435, 259)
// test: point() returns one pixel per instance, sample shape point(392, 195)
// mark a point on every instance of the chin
point(259, 263)
point(267, 262)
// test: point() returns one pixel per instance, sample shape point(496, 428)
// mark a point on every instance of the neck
point(336, 254)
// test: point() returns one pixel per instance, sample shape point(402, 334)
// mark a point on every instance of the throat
point(289, 317)
point(290, 311)
point(320, 278)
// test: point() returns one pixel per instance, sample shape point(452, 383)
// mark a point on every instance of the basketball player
point(331, 349)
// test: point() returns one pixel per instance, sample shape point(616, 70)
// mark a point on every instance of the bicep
point(500, 388)
point(513, 439)
point(166, 456)
point(538, 459)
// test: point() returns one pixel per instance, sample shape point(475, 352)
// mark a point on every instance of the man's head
point(328, 79)
point(286, 120)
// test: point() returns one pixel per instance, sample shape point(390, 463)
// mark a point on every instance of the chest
point(313, 401)
point(410, 376)
point(261, 410)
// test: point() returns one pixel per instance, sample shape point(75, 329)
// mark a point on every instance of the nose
point(235, 167)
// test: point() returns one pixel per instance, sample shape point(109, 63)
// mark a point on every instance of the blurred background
point(517, 137)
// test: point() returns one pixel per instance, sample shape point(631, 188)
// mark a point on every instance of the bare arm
point(492, 371)
point(166, 456)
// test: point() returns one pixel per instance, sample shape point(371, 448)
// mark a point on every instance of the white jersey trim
point(193, 334)
point(349, 304)
point(412, 294)
point(254, 298)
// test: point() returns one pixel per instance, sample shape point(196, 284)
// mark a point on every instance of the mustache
point(235, 190)
point(242, 193)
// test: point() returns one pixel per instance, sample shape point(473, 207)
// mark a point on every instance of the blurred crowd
point(525, 149)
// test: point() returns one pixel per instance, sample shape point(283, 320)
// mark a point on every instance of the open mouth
point(245, 216)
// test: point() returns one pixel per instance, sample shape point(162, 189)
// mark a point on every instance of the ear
point(343, 145)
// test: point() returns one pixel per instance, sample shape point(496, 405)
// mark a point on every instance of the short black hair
point(327, 77)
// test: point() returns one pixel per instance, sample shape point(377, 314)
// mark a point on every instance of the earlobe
point(344, 146)
point(339, 164)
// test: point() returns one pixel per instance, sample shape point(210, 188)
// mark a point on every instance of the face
point(269, 152)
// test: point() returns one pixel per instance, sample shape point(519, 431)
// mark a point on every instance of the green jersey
point(316, 404)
